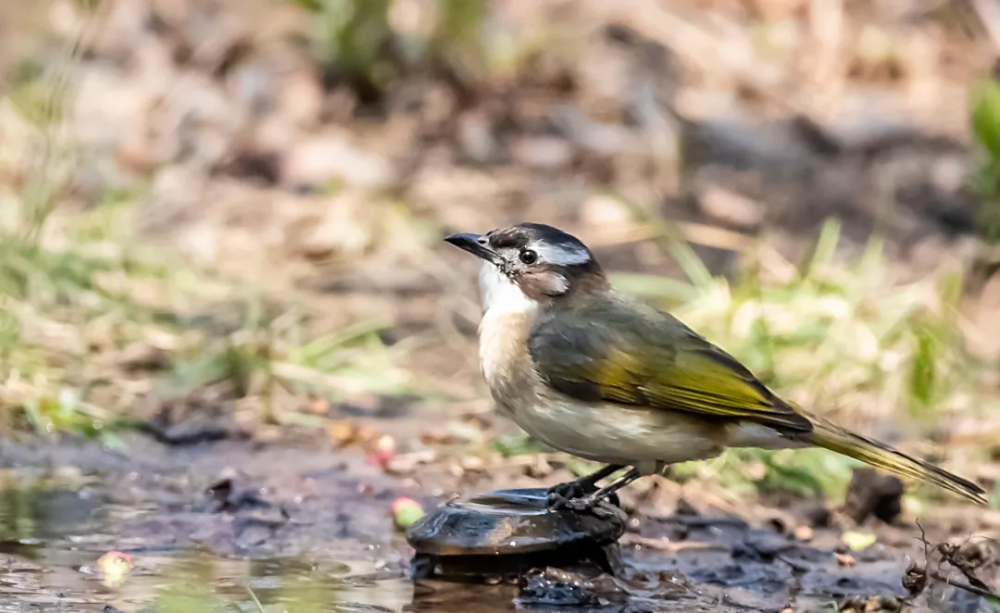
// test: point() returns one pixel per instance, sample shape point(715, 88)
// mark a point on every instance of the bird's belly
point(618, 435)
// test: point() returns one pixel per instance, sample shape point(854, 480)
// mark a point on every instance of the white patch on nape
point(560, 254)
point(500, 294)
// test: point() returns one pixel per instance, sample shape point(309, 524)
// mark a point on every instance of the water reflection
point(51, 537)
point(35, 513)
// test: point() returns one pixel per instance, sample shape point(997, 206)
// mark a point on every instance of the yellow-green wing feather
point(623, 353)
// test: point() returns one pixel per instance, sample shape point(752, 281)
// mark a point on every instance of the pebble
point(845, 560)
point(803, 533)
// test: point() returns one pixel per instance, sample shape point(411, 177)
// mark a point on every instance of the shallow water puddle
point(52, 538)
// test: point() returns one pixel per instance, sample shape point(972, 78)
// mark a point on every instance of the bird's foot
point(583, 503)
point(561, 494)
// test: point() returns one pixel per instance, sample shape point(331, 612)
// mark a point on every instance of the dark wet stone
point(178, 425)
point(501, 535)
point(762, 546)
point(226, 498)
point(511, 521)
point(553, 586)
point(871, 493)
point(818, 516)
point(778, 525)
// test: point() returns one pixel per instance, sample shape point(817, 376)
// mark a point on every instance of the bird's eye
point(528, 256)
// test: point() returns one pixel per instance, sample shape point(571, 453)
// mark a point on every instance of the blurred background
point(223, 218)
point(221, 222)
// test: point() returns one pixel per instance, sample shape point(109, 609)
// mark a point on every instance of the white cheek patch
point(555, 284)
point(560, 255)
point(500, 294)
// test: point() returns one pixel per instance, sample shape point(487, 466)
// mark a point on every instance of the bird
point(606, 377)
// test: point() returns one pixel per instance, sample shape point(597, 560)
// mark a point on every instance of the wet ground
point(310, 529)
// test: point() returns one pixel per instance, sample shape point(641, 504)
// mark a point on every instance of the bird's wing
point(628, 355)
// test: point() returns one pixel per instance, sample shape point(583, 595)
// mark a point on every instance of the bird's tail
point(891, 460)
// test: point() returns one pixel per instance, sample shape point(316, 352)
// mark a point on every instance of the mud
point(308, 528)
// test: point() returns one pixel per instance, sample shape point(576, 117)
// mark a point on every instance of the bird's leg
point(561, 493)
point(592, 499)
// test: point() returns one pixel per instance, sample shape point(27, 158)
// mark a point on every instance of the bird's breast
point(504, 358)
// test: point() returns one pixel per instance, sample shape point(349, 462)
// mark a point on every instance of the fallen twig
point(670, 546)
point(985, 593)
point(253, 596)
point(953, 555)
point(917, 577)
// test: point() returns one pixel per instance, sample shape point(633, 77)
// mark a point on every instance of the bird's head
point(532, 264)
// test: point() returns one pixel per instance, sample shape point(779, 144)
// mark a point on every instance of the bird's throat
point(504, 357)
point(501, 295)
point(503, 337)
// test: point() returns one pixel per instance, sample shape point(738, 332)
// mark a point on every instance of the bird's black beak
point(475, 244)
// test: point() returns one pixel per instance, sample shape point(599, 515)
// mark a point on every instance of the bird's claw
point(570, 496)
point(584, 503)
point(555, 501)
point(562, 494)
